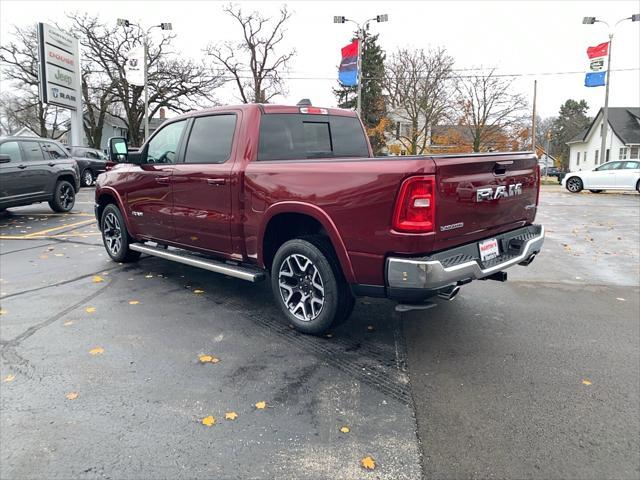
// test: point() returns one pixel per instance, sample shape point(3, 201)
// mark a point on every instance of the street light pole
point(145, 66)
point(360, 35)
point(605, 110)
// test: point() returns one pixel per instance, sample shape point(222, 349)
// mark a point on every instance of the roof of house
point(624, 121)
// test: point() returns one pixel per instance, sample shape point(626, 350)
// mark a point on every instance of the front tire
point(574, 185)
point(87, 177)
point(64, 197)
point(115, 237)
point(309, 286)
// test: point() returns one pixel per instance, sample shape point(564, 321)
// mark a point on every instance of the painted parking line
point(61, 227)
point(47, 237)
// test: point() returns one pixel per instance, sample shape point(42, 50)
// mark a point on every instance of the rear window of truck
point(291, 136)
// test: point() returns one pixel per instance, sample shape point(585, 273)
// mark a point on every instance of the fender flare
point(317, 214)
point(112, 192)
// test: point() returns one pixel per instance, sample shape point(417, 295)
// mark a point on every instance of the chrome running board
point(182, 256)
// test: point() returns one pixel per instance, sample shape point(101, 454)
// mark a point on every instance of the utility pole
point(605, 111)
point(533, 120)
point(360, 34)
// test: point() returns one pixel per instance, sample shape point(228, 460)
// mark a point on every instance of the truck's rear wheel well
point(284, 227)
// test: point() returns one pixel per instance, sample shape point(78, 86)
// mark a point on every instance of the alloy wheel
point(112, 233)
point(301, 287)
point(573, 185)
point(88, 177)
point(66, 196)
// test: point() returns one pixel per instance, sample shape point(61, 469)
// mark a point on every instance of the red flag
point(350, 50)
point(601, 50)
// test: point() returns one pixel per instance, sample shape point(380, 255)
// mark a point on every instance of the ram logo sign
point(503, 191)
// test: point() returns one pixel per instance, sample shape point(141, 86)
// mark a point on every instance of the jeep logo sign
point(489, 193)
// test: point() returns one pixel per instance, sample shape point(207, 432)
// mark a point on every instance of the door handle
point(22, 167)
point(216, 181)
point(51, 164)
point(163, 180)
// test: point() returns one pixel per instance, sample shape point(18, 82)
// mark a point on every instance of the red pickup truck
point(294, 193)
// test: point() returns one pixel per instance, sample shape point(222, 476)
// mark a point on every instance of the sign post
point(59, 70)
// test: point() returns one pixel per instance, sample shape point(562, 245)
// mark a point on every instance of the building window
point(601, 129)
point(597, 156)
point(634, 153)
point(607, 155)
point(578, 159)
point(623, 153)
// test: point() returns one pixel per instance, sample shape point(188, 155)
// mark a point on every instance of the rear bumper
point(415, 278)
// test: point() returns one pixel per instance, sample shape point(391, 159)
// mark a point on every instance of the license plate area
point(488, 249)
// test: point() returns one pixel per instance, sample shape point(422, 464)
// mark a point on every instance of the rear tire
point(638, 186)
point(309, 286)
point(64, 197)
point(115, 237)
point(574, 184)
point(596, 191)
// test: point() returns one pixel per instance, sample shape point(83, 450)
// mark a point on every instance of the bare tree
point(22, 107)
point(418, 87)
point(253, 63)
point(179, 85)
point(489, 109)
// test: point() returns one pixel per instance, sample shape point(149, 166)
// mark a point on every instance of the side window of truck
point(164, 145)
point(211, 139)
point(291, 136)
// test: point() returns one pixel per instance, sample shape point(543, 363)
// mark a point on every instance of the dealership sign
point(59, 67)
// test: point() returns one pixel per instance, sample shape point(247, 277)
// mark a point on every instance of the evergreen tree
point(571, 120)
point(373, 105)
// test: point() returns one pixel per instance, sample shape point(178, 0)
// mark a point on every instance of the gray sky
point(516, 37)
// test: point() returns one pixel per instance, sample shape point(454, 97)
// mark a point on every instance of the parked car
point(37, 170)
point(550, 171)
point(91, 162)
point(619, 175)
point(294, 194)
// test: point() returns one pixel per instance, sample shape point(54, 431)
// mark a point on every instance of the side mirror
point(4, 158)
point(118, 151)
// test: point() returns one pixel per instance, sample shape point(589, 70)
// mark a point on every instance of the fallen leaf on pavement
point(620, 299)
point(370, 328)
point(261, 405)
point(345, 429)
point(208, 359)
point(586, 382)
point(71, 395)
point(59, 254)
point(67, 323)
point(148, 276)
point(90, 309)
point(230, 416)
point(208, 421)
point(133, 302)
point(96, 351)
point(97, 279)
point(9, 378)
point(198, 291)
point(368, 463)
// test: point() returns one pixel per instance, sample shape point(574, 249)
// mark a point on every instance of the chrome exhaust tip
point(449, 293)
point(529, 260)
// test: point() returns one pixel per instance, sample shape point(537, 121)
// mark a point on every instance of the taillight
point(415, 210)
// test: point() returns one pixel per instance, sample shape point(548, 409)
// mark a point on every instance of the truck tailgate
point(482, 195)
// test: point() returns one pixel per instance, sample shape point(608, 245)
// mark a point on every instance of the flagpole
point(605, 110)
point(359, 99)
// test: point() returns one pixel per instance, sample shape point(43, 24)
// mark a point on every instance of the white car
point(620, 175)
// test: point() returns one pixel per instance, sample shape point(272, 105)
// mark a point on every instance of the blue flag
point(595, 79)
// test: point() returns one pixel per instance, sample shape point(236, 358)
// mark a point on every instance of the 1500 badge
point(488, 193)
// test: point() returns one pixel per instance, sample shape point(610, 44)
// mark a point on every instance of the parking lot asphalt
point(101, 374)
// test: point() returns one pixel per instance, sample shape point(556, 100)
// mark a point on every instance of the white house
point(623, 140)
